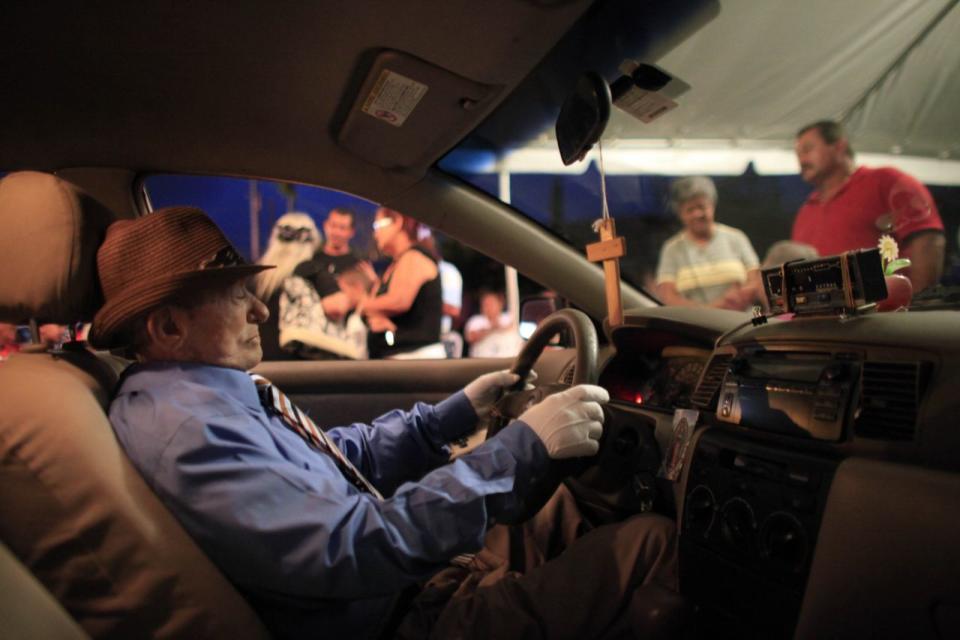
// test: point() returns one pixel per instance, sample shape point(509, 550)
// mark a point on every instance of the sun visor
point(409, 111)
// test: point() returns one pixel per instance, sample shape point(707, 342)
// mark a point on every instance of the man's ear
point(165, 328)
point(842, 146)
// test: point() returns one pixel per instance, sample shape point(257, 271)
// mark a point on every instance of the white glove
point(484, 392)
point(569, 423)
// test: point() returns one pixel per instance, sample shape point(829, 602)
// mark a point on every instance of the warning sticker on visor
point(393, 98)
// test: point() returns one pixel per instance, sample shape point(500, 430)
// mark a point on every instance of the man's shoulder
point(184, 391)
point(881, 175)
point(320, 262)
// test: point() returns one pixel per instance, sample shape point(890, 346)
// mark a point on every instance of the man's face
point(817, 159)
point(492, 306)
point(338, 228)
point(696, 213)
point(224, 331)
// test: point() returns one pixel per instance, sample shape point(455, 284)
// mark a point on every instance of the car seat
point(76, 514)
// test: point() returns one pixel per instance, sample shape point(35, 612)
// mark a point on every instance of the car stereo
point(794, 393)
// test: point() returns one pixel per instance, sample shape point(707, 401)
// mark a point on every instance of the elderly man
point(851, 207)
point(324, 530)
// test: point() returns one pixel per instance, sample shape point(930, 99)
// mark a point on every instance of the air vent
point(567, 376)
point(889, 400)
point(706, 393)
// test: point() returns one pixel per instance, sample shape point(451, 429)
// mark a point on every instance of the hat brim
point(113, 317)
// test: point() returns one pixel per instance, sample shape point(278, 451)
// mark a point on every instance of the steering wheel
point(517, 399)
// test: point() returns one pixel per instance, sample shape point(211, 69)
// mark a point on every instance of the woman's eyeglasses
point(381, 223)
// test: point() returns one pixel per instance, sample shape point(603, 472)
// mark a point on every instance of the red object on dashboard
point(899, 293)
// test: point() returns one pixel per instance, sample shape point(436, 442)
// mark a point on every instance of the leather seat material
point(75, 511)
point(87, 524)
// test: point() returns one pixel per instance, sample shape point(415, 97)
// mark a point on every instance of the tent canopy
point(888, 69)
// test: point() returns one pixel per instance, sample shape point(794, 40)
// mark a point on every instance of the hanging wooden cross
point(609, 251)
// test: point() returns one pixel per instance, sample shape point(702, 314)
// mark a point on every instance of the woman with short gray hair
point(706, 264)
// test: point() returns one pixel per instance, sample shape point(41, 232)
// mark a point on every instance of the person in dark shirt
point(404, 315)
point(334, 258)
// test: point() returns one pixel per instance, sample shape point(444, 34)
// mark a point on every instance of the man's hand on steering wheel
point(569, 423)
point(484, 392)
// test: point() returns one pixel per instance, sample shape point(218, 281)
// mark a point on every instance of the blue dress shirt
point(313, 554)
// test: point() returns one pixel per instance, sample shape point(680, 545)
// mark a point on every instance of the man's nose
point(258, 313)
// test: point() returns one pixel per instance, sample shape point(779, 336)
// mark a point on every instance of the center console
point(749, 526)
point(755, 493)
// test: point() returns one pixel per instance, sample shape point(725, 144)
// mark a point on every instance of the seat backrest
point(74, 510)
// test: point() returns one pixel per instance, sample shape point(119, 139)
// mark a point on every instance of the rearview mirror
point(583, 117)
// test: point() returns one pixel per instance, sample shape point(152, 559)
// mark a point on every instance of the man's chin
point(250, 358)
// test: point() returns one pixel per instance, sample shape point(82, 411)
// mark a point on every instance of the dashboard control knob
point(783, 541)
point(626, 441)
point(738, 525)
point(701, 509)
point(834, 372)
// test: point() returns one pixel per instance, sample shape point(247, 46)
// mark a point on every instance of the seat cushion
point(78, 515)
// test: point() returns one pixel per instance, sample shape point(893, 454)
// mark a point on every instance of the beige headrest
point(48, 249)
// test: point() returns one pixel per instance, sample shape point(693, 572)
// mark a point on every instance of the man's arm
point(476, 329)
point(277, 527)
point(926, 252)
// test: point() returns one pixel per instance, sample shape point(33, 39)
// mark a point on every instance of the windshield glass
point(744, 79)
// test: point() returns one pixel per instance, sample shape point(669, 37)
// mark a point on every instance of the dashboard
point(789, 416)
point(661, 381)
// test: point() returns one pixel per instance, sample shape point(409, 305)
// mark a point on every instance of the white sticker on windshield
point(393, 97)
point(643, 104)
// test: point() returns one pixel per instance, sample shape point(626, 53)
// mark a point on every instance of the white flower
point(889, 251)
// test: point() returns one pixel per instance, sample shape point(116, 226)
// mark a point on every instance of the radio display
point(803, 395)
point(785, 368)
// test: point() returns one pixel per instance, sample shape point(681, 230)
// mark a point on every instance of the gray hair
point(787, 251)
point(682, 189)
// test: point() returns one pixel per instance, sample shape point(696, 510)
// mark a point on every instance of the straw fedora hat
point(147, 261)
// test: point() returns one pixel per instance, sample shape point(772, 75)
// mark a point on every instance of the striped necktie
point(275, 401)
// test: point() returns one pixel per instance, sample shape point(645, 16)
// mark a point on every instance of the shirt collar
point(815, 198)
point(151, 375)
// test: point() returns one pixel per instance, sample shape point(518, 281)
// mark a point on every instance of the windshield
point(745, 79)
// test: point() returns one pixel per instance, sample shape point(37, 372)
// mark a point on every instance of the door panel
point(340, 392)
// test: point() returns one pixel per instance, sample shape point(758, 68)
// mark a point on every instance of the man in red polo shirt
point(851, 207)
